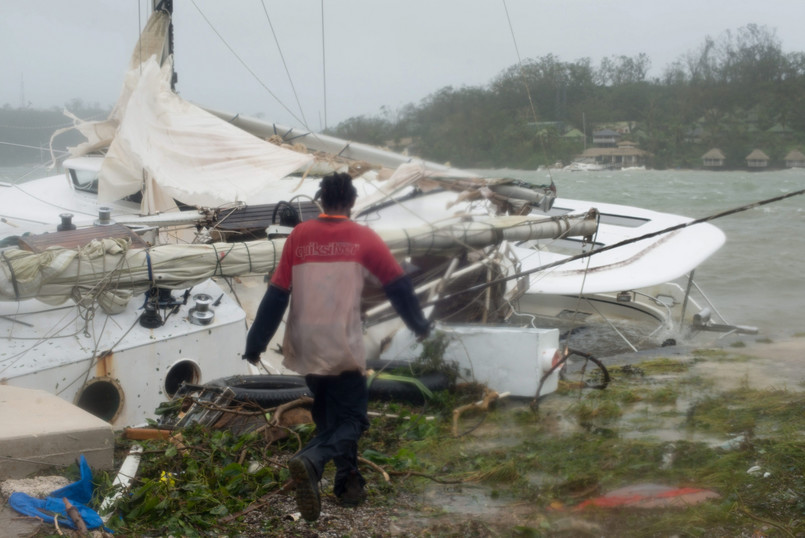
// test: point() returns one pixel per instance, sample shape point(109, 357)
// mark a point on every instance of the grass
point(540, 464)
point(599, 456)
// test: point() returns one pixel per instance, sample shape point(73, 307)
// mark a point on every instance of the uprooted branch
point(490, 397)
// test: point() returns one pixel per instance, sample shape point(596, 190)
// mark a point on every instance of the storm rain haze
point(375, 56)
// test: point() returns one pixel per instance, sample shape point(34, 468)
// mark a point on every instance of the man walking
point(323, 265)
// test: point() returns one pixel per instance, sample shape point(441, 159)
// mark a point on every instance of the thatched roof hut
point(757, 159)
point(795, 159)
point(620, 157)
point(713, 158)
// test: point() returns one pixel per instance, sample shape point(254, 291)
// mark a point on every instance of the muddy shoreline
point(521, 505)
point(725, 420)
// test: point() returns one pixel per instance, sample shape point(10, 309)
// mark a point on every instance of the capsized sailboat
point(100, 325)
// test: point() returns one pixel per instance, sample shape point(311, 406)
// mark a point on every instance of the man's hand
point(423, 335)
point(253, 359)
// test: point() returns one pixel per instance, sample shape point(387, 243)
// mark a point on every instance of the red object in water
point(650, 496)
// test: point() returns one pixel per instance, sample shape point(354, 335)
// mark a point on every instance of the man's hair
point(336, 191)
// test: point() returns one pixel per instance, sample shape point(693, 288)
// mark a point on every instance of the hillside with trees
point(736, 93)
point(26, 132)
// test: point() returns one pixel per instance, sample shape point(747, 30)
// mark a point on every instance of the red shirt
point(324, 263)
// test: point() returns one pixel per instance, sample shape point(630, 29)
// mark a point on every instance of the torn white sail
point(187, 153)
point(169, 149)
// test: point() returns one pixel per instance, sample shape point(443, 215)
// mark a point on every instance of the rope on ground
point(561, 362)
point(376, 467)
point(490, 397)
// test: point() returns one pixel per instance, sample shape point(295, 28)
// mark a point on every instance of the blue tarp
point(78, 494)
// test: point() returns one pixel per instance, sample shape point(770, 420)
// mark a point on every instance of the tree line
point(737, 92)
point(25, 132)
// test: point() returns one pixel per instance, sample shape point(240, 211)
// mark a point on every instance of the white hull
point(57, 350)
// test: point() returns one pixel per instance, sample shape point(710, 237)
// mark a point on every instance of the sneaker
point(353, 494)
point(307, 487)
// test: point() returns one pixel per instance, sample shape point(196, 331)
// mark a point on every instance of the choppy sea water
point(758, 277)
point(23, 173)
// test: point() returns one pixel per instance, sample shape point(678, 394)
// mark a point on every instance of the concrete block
point(39, 430)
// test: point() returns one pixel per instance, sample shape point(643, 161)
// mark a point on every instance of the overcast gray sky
point(378, 53)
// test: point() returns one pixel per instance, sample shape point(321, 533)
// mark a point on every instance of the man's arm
point(401, 294)
point(268, 318)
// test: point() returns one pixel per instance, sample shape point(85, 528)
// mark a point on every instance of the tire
point(385, 390)
point(265, 390)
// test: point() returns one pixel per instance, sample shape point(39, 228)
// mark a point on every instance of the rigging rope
point(644, 236)
point(323, 66)
point(525, 80)
point(246, 66)
point(284, 64)
point(520, 62)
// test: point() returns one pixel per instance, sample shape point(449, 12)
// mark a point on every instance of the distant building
point(606, 138)
point(795, 159)
point(781, 130)
point(713, 158)
point(757, 160)
point(626, 155)
point(620, 127)
point(558, 126)
point(574, 134)
point(695, 134)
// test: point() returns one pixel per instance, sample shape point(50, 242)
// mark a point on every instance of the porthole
point(101, 396)
point(182, 371)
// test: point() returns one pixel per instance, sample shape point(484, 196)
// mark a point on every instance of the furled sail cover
point(169, 145)
point(112, 271)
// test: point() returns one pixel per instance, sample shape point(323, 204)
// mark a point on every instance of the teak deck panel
point(259, 216)
point(80, 237)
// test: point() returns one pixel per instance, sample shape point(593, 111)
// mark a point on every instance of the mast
point(167, 7)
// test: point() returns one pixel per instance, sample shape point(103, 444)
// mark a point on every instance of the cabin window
point(605, 218)
point(87, 181)
point(557, 211)
point(568, 246)
point(622, 220)
point(84, 180)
